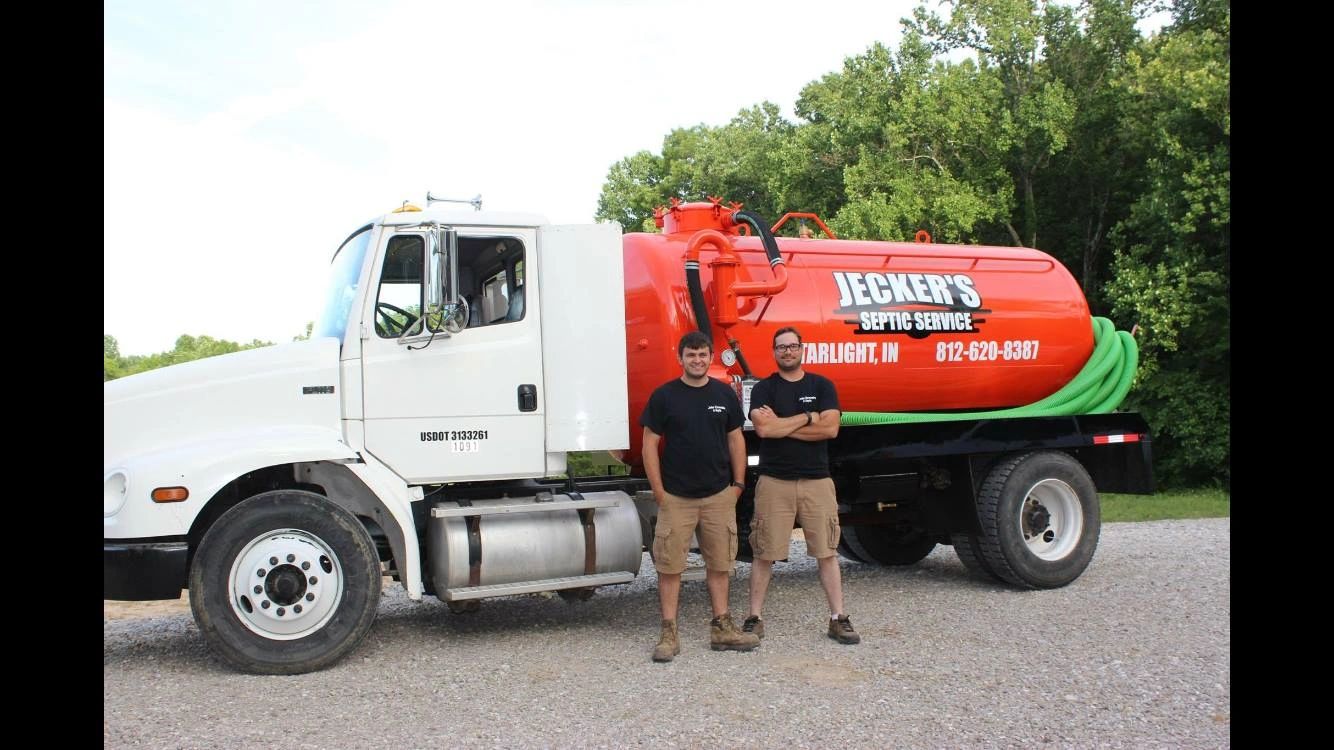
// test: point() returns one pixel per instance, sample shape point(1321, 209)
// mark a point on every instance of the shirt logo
point(806, 399)
point(717, 409)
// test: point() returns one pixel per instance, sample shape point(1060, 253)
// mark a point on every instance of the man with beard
point(795, 413)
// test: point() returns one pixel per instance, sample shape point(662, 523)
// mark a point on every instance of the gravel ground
point(1133, 654)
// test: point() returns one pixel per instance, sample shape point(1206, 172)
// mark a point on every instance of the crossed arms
point(823, 426)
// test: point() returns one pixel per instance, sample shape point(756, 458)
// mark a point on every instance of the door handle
point(527, 397)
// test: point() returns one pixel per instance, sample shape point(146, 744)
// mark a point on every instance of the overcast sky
point(245, 139)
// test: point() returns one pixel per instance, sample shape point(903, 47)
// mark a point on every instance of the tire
point(887, 545)
point(846, 551)
point(969, 551)
point(313, 607)
point(1040, 520)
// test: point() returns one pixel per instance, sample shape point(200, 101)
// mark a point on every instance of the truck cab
point(451, 347)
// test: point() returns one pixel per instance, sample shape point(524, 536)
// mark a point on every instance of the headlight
point(114, 492)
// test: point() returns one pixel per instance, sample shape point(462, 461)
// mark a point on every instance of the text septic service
point(957, 292)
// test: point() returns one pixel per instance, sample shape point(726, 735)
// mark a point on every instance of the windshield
point(342, 288)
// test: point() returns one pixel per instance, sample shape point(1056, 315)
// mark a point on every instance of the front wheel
point(581, 594)
point(285, 582)
point(1040, 520)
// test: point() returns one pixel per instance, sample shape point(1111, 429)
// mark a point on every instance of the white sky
point(244, 140)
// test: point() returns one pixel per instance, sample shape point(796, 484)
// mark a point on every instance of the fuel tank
point(529, 546)
point(897, 326)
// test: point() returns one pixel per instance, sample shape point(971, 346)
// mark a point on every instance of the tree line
point(187, 348)
point(1023, 123)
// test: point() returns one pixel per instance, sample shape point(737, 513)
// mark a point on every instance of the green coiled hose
point(1098, 388)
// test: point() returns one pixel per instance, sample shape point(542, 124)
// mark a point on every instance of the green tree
point(1172, 265)
point(1091, 183)
point(188, 348)
point(1034, 111)
point(111, 367)
point(921, 144)
point(742, 161)
point(634, 186)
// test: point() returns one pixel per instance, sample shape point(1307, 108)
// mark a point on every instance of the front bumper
point(141, 570)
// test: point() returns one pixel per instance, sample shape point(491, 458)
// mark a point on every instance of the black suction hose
point(762, 229)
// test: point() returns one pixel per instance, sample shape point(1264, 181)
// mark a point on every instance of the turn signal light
point(170, 494)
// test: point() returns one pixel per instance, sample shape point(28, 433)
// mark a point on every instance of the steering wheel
point(392, 327)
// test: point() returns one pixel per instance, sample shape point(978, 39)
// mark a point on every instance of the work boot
point(724, 635)
point(840, 629)
point(668, 645)
point(753, 624)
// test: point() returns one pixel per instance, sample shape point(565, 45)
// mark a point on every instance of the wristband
point(739, 485)
point(808, 419)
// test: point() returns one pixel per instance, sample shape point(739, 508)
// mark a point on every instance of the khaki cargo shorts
point(780, 502)
point(677, 518)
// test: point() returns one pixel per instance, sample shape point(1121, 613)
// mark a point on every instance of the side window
point(398, 303)
point(491, 277)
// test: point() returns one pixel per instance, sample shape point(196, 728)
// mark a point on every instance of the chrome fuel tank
point(513, 540)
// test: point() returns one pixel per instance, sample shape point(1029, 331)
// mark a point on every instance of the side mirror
point(442, 283)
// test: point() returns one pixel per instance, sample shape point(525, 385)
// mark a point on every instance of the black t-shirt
point(786, 457)
point(694, 422)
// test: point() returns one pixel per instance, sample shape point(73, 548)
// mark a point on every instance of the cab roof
point(462, 218)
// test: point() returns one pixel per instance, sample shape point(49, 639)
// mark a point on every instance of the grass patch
point(1201, 503)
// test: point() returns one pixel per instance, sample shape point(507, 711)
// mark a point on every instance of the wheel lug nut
point(281, 611)
point(262, 572)
point(297, 609)
point(273, 561)
point(259, 589)
point(264, 604)
point(291, 558)
point(310, 597)
point(305, 566)
point(314, 580)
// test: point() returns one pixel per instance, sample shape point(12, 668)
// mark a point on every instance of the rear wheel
point(285, 582)
point(845, 550)
point(969, 551)
point(1040, 520)
point(887, 545)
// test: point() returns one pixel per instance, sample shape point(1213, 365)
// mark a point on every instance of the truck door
point(464, 405)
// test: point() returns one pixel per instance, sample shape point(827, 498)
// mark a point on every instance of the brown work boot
point(841, 630)
point(668, 645)
point(724, 635)
point(753, 624)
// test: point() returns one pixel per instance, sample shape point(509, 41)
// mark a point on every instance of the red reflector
point(1102, 439)
point(170, 494)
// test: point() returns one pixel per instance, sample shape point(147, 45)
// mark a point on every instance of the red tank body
point(898, 326)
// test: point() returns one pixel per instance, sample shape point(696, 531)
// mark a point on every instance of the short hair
point(786, 329)
point(694, 340)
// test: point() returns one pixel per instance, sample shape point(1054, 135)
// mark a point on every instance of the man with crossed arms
point(795, 413)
